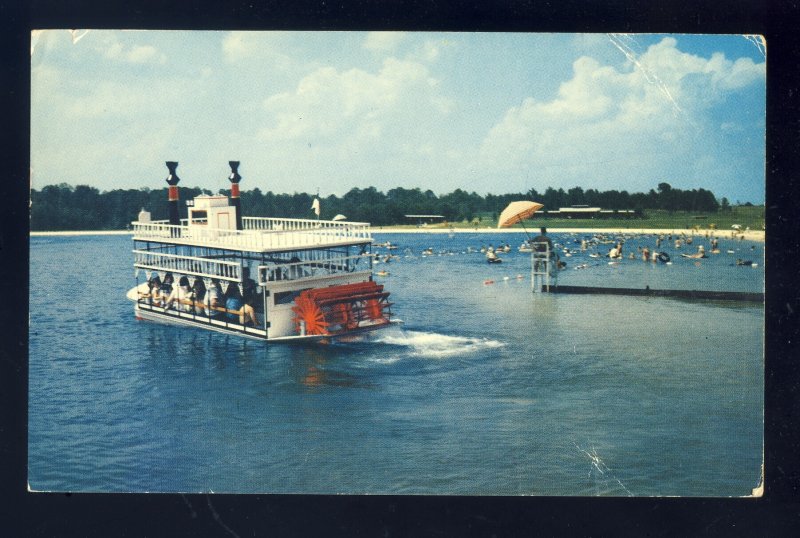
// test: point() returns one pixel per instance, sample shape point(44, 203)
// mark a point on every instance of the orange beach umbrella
point(517, 212)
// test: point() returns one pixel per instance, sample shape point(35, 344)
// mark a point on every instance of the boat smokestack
point(172, 181)
point(235, 178)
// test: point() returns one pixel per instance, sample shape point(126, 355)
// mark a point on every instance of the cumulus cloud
point(383, 41)
point(642, 118)
point(256, 46)
point(372, 127)
point(113, 49)
point(328, 103)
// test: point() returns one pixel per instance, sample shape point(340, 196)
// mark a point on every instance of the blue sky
point(329, 111)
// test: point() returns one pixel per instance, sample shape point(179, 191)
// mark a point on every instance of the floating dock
point(703, 295)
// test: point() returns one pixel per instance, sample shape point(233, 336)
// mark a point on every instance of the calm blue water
point(485, 390)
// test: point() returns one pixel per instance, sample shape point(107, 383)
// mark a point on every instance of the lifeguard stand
point(544, 269)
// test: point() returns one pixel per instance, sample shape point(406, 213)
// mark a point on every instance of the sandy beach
point(750, 235)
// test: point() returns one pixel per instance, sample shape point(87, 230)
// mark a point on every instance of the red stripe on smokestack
point(173, 193)
point(234, 190)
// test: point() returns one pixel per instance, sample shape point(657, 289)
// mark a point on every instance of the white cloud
point(383, 41)
point(331, 104)
point(109, 45)
point(256, 46)
point(238, 45)
point(368, 128)
point(641, 120)
point(145, 54)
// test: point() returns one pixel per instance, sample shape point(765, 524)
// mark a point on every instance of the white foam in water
point(427, 344)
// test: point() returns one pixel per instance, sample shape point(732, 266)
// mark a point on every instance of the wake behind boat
point(313, 278)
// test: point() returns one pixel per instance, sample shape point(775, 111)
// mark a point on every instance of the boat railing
point(188, 265)
point(347, 229)
point(311, 269)
point(258, 233)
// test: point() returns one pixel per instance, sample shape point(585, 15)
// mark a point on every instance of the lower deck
point(311, 308)
point(146, 312)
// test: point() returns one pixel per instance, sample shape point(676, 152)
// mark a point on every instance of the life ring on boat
point(663, 256)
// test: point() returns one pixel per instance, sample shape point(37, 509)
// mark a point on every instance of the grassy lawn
point(752, 216)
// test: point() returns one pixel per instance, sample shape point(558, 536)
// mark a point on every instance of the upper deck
point(258, 234)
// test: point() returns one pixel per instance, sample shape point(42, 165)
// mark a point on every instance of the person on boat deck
point(214, 299)
point(154, 289)
point(182, 295)
point(166, 287)
point(199, 293)
point(242, 311)
point(249, 287)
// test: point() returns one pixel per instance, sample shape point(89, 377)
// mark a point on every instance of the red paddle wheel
point(338, 309)
point(306, 310)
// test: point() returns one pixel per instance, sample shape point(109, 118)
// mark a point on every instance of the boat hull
point(158, 315)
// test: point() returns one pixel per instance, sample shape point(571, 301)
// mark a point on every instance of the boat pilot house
point(266, 278)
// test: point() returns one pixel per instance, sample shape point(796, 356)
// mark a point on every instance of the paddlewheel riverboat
point(272, 279)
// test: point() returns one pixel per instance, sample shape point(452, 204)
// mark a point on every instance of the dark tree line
point(666, 197)
point(64, 207)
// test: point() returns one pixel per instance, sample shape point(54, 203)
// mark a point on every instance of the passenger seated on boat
point(154, 289)
point(237, 308)
point(166, 287)
point(181, 296)
point(214, 299)
point(199, 293)
point(249, 286)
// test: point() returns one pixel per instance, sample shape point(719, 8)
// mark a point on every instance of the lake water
point(486, 388)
